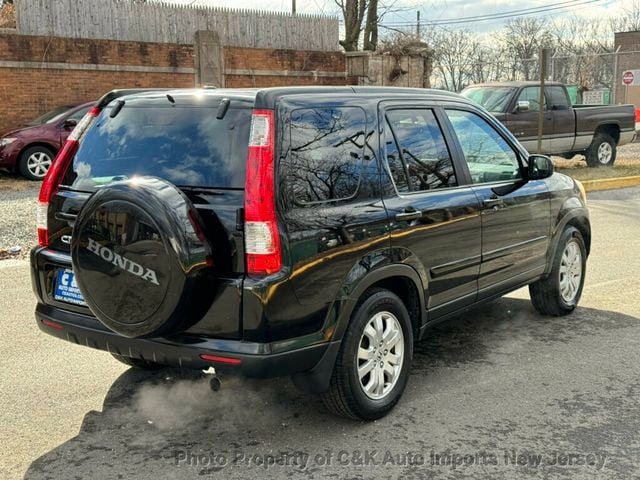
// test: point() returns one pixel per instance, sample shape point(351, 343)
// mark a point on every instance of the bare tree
point(522, 38)
point(629, 21)
point(454, 54)
point(371, 26)
point(353, 12)
point(581, 52)
point(364, 15)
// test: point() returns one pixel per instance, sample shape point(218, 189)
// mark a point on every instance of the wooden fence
point(168, 23)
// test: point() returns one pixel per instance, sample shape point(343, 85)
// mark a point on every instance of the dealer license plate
point(67, 289)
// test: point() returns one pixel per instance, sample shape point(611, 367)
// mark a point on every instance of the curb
point(610, 183)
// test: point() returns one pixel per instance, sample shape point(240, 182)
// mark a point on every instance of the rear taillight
point(55, 174)
point(262, 241)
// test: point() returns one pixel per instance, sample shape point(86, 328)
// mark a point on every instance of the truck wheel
point(559, 293)
point(373, 364)
point(35, 161)
point(138, 362)
point(602, 151)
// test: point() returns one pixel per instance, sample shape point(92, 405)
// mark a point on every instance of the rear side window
point(186, 145)
point(326, 148)
point(422, 148)
point(557, 98)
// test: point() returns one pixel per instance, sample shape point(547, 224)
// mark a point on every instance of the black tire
point(35, 171)
point(138, 362)
point(546, 294)
point(604, 141)
point(157, 278)
point(346, 396)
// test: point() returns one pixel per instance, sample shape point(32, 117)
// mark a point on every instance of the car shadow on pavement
point(154, 423)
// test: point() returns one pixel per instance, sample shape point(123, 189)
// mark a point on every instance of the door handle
point(409, 213)
point(493, 202)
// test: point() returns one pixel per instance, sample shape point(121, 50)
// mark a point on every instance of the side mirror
point(523, 106)
point(69, 124)
point(540, 166)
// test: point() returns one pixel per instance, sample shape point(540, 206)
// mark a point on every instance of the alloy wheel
point(38, 164)
point(570, 271)
point(605, 152)
point(380, 355)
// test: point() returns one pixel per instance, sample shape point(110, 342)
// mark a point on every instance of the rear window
point(186, 145)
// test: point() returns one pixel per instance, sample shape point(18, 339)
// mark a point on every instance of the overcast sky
point(441, 10)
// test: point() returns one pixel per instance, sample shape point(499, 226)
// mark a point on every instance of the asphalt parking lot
point(498, 393)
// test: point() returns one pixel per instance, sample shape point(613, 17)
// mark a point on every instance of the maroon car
point(31, 149)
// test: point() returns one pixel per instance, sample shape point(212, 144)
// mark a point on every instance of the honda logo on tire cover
point(122, 262)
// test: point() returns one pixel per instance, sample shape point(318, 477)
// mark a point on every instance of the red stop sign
point(627, 78)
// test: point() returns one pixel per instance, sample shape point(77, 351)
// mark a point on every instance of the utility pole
point(418, 25)
point(544, 59)
point(293, 7)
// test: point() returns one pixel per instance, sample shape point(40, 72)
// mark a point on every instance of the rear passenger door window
point(489, 157)
point(557, 98)
point(416, 151)
point(394, 160)
point(326, 149)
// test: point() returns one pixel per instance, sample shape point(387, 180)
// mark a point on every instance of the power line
point(502, 15)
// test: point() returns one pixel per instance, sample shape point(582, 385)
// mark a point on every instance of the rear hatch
point(199, 143)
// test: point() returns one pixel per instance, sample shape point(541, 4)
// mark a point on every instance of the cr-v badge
point(122, 262)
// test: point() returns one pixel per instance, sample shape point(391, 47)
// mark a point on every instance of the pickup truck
point(592, 130)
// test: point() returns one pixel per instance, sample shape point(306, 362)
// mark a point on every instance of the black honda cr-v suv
point(311, 232)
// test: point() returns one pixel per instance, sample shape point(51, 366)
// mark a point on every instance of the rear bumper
point(627, 137)
point(242, 358)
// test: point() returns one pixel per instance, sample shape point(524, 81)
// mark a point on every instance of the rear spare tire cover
point(141, 258)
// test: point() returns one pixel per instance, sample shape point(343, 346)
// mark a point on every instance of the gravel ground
point(18, 202)
point(18, 199)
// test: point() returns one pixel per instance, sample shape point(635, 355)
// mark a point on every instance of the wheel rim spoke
point(379, 326)
point(366, 368)
point(380, 385)
point(365, 354)
point(393, 359)
point(371, 335)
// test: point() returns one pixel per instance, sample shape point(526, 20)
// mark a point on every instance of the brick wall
point(40, 73)
point(257, 67)
point(628, 59)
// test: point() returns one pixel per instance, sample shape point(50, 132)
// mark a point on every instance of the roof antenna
point(171, 99)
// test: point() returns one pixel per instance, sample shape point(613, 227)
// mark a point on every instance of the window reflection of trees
point(424, 151)
point(488, 155)
point(479, 141)
point(326, 149)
